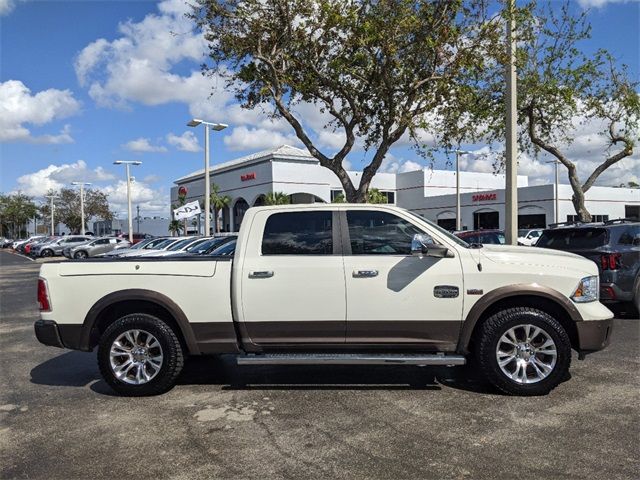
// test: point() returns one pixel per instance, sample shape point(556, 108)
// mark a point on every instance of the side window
point(629, 235)
point(298, 233)
point(379, 233)
point(103, 241)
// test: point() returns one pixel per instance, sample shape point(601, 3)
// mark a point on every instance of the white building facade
point(430, 193)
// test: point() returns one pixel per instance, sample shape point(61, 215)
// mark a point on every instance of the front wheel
point(524, 351)
point(140, 355)
point(80, 254)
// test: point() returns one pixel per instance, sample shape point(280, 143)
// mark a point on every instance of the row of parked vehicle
point(613, 245)
point(84, 246)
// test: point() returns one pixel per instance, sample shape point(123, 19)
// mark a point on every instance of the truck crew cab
point(331, 284)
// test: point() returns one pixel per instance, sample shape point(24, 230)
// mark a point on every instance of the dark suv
point(613, 245)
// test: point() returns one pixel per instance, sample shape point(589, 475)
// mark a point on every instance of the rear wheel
point(524, 351)
point(47, 252)
point(140, 355)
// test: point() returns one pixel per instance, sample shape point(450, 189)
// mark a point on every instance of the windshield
point(179, 245)
point(440, 230)
point(141, 244)
point(195, 246)
point(163, 243)
point(522, 233)
point(207, 246)
point(226, 249)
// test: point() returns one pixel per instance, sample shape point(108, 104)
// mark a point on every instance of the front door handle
point(365, 273)
point(261, 274)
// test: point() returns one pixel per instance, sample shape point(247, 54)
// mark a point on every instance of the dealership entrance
point(536, 220)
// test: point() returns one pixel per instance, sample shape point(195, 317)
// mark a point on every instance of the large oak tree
point(377, 68)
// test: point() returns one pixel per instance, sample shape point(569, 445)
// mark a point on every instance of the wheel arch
point(535, 296)
point(122, 302)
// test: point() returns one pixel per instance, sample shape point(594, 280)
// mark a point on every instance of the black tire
point(80, 254)
point(172, 363)
point(47, 252)
point(492, 330)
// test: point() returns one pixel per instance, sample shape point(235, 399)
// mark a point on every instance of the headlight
point(588, 290)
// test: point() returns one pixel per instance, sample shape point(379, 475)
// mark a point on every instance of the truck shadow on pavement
point(78, 369)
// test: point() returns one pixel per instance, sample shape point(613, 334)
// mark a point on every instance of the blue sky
point(90, 82)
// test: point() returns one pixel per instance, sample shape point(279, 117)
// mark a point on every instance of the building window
point(335, 194)
point(486, 220)
point(298, 233)
point(594, 218)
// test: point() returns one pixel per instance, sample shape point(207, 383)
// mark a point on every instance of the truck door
point(292, 279)
point(392, 296)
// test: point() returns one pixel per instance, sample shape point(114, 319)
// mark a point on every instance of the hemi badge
point(474, 291)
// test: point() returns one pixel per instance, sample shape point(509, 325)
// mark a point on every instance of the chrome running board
point(350, 359)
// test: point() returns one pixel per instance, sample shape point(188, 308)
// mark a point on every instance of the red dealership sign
point(483, 197)
point(248, 176)
point(182, 191)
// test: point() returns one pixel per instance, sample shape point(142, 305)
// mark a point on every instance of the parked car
point(95, 247)
point(19, 245)
point(26, 248)
point(148, 244)
point(331, 284)
point(226, 249)
point(137, 237)
point(205, 248)
point(5, 242)
point(55, 247)
point(529, 237)
point(614, 246)
point(482, 237)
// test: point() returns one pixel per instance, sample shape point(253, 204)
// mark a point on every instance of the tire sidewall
point(171, 351)
point(81, 254)
point(552, 327)
point(47, 253)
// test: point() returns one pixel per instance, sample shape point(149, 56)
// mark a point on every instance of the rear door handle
point(365, 273)
point(261, 274)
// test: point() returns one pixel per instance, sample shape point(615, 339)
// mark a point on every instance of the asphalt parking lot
point(59, 420)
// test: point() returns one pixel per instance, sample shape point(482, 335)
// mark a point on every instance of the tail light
point(610, 261)
point(43, 295)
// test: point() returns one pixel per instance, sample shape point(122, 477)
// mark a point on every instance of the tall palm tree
point(276, 198)
point(218, 202)
point(175, 227)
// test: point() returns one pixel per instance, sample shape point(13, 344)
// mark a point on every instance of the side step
point(350, 359)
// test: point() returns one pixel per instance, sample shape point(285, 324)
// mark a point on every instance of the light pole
point(511, 160)
point(127, 164)
point(194, 122)
point(52, 208)
point(555, 191)
point(458, 153)
point(82, 185)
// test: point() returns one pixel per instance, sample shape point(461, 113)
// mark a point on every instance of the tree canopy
point(67, 207)
point(16, 209)
point(376, 68)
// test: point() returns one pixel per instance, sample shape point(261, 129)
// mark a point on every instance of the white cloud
point(18, 107)
point(393, 164)
point(150, 200)
point(152, 178)
point(187, 142)
point(143, 145)
point(7, 6)
point(55, 177)
point(139, 65)
point(601, 3)
point(243, 138)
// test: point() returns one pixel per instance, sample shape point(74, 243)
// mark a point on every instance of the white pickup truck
point(331, 284)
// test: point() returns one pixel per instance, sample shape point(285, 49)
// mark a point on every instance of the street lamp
point(82, 185)
point(52, 210)
point(458, 153)
point(555, 188)
point(127, 164)
point(194, 122)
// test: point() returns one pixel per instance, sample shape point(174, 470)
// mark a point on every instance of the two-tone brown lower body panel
point(440, 336)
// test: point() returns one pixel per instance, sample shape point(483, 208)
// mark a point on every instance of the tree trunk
point(578, 196)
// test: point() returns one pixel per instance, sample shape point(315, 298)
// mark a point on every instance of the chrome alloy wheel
point(526, 354)
point(135, 357)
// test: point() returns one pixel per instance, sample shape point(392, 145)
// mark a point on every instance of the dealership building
point(430, 193)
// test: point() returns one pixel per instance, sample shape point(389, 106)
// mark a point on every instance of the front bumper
point(594, 335)
point(48, 332)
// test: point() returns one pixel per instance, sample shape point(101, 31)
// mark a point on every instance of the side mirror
point(423, 245)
